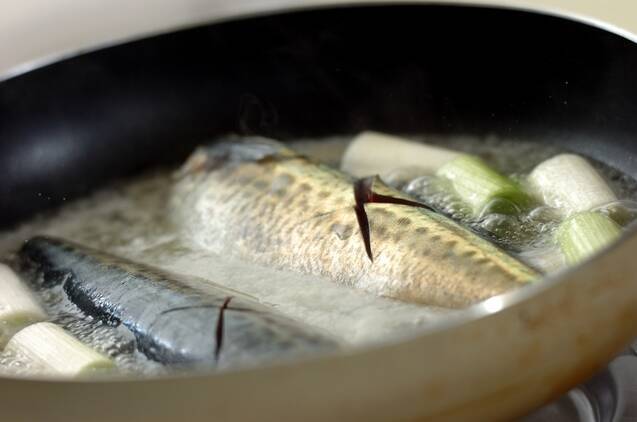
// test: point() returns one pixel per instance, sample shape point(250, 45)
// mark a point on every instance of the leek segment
point(482, 188)
point(53, 351)
point(571, 184)
point(373, 153)
point(18, 307)
point(584, 234)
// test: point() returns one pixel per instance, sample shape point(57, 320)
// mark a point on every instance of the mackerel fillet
point(173, 322)
point(262, 201)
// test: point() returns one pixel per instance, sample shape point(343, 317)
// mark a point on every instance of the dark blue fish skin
point(173, 323)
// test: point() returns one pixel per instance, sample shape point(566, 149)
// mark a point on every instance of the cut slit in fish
point(173, 322)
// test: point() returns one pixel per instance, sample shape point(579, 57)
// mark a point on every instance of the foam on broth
point(128, 219)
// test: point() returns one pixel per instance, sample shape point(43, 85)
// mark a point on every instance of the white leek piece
point(51, 349)
point(583, 234)
point(18, 306)
point(570, 183)
point(373, 153)
point(483, 188)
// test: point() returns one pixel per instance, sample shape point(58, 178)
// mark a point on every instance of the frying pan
point(72, 126)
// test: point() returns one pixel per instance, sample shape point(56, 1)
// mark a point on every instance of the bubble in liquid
point(128, 220)
point(438, 193)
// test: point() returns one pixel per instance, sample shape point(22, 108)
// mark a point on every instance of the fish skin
point(281, 209)
point(173, 322)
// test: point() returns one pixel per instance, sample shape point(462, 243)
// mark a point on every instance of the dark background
point(74, 125)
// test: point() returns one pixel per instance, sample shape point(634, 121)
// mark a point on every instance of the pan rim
point(282, 7)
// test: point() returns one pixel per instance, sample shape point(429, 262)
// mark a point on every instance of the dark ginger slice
point(364, 194)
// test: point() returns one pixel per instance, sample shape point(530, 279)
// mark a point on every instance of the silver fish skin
point(172, 322)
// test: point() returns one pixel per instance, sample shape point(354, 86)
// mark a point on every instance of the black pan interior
point(74, 125)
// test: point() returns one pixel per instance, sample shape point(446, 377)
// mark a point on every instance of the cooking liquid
point(129, 219)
